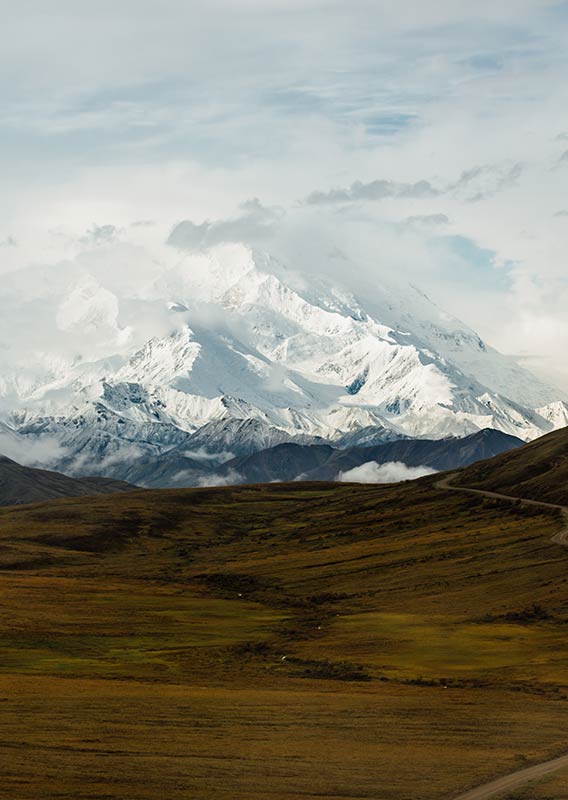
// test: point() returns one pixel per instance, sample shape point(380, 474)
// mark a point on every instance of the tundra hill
point(19, 484)
point(538, 471)
point(227, 643)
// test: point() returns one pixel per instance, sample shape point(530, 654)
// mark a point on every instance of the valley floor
point(280, 642)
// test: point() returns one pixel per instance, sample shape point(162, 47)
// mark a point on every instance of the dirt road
point(515, 780)
point(559, 538)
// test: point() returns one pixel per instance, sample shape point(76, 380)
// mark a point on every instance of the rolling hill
point(19, 484)
point(226, 643)
point(538, 471)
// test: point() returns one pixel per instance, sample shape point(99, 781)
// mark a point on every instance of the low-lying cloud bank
point(391, 472)
point(30, 452)
point(231, 478)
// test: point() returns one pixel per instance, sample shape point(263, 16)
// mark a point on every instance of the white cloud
point(125, 453)
point(201, 454)
point(374, 191)
point(428, 220)
point(99, 235)
point(472, 186)
point(483, 181)
point(392, 472)
point(231, 478)
point(31, 452)
point(255, 223)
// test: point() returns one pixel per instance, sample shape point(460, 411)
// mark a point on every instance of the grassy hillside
point(538, 470)
point(283, 641)
point(19, 484)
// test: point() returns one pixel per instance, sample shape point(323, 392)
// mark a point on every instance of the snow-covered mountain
point(229, 352)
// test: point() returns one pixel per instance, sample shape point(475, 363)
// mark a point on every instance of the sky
point(424, 138)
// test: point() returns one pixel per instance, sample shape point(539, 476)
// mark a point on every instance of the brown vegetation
point(538, 471)
point(286, 641)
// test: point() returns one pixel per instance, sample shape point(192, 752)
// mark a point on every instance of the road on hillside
point(559, 538)
point(523, 776)
point(515, 780)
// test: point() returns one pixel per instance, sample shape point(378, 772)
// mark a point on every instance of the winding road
point(515, 780)
point(559, 538)
point(523, 776)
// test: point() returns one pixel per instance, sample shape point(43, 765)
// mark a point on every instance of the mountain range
point(292, 462)
point(283, 462)
point(228, 353)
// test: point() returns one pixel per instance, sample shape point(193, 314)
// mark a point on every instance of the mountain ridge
point(289, 462)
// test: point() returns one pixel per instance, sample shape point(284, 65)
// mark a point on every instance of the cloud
point(254, 224)
point(231, 478)
point(99, 235)
point(9, 241)
point(201, 454)
point(392, 472)
point(88, 308)
point(477, 183)
point(473, 185)
point(124, 453)
point(186, 114)
point(428, 220)
point(31, 452)
point(373, 192)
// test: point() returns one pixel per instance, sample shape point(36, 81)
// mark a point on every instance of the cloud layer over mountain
point(419, 139)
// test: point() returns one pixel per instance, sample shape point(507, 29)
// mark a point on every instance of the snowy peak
point(230, 351)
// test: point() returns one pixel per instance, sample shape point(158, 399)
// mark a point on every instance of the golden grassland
point(282, 642)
